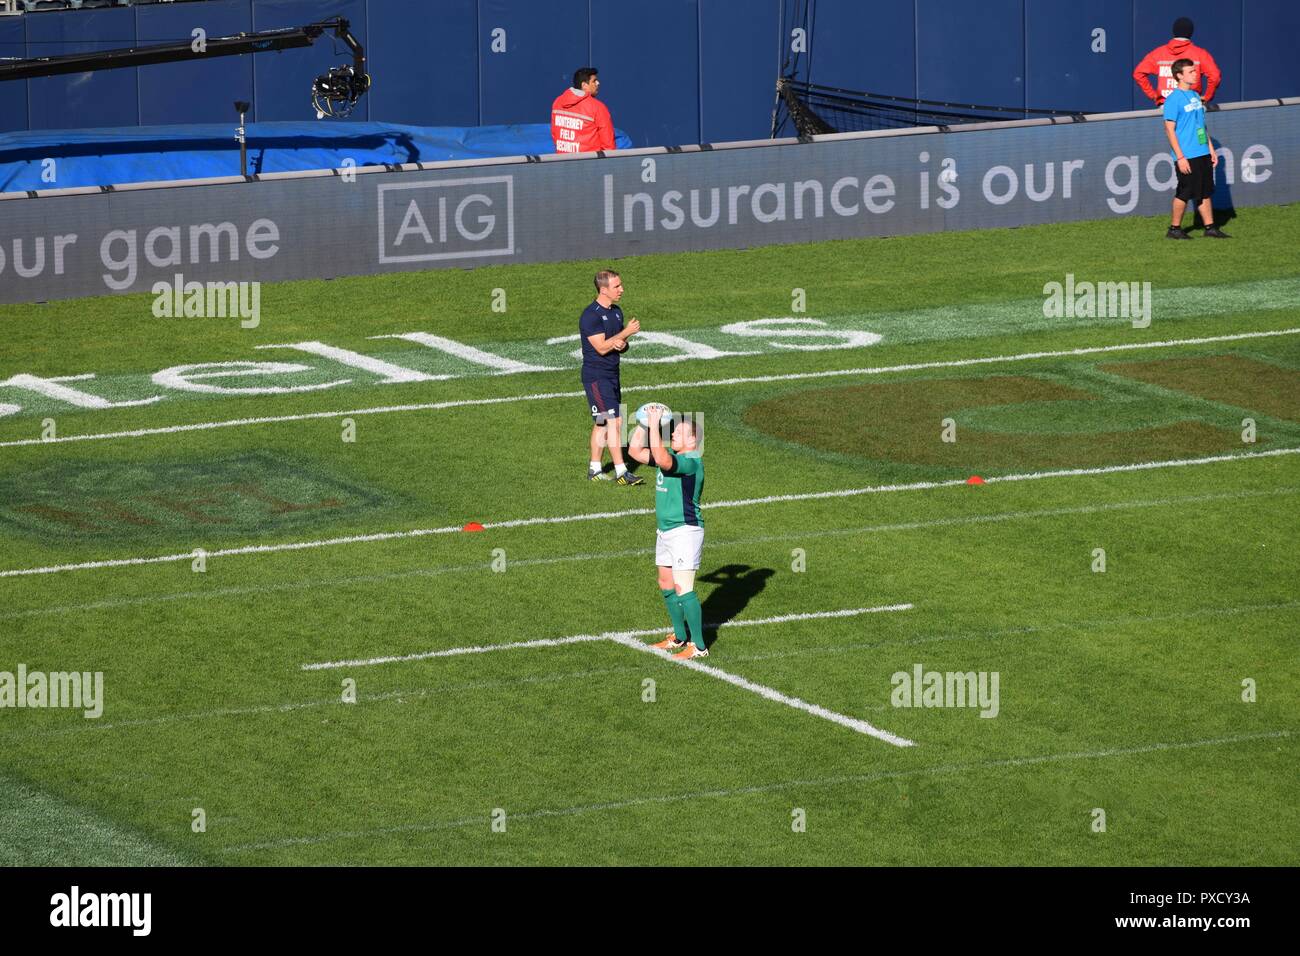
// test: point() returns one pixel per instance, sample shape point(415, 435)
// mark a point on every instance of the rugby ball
point(643, 419)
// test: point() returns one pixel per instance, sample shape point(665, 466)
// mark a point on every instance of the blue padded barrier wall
point(970, 53)
point(865, 46)
point(13, 95)
point(675, 71)
point(202, 92)
point(739, 57)
point(1079, 57)
point(109, 98)
point(648, 56)
point(442, 38)
point(527, 55)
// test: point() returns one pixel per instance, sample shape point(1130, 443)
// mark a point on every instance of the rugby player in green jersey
point(679, 542)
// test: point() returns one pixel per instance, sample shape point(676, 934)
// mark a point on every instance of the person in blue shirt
point(1194, 155)
point(604, 336)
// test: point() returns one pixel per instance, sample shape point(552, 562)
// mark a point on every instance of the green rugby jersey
point(677, 492)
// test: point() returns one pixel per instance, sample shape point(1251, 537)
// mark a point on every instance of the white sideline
point(584, 638)
point(705, 383)
point(481, 819)
point(630, 512)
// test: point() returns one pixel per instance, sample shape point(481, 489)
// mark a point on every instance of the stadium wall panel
point(314, 225)
point(540, 46)
point(79, 100)
point(649, 57)
point(1062, 71)
point(204, 91)
point(676, 71)
point(425, 61)
point(739, 58)
point(13, 95)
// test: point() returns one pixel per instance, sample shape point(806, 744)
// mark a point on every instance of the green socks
point(690, 609)
point(675, 613)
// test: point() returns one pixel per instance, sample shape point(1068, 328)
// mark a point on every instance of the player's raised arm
point(636, 447)
point(661, 455)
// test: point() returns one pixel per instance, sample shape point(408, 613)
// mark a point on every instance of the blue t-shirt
point(1186, 111)
point(595, 320)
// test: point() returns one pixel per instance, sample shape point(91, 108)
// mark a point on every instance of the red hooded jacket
point(1159, 61)
point(580, 123)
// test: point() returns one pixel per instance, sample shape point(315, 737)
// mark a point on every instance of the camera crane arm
point(333, 93)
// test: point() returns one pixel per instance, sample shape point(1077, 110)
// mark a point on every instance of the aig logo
point(448, 219)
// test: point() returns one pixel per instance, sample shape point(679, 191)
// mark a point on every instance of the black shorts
point(1199, 183)
point(603, 398)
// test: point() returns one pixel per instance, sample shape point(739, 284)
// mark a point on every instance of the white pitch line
point(629, 639)
point(458, 651)
point(631, 512)
point(585, 638)
point(481, 819)
point(770, 693)
point(705, 383)
point(714, 545)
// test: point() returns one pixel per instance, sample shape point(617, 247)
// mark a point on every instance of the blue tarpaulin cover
point(107, 157)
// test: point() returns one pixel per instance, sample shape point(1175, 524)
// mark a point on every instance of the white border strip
point(631, 512)
point(705, 383)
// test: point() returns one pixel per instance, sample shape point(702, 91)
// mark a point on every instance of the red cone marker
point(473, 526)
point(974, 480)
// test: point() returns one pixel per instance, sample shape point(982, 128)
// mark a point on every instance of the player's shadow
point(737, 585)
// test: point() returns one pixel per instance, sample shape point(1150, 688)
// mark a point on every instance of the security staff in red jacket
point(580, 123)
point(1158, 63)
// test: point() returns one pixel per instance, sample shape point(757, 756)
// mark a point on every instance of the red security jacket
point(580, 123)
point(1159, 61)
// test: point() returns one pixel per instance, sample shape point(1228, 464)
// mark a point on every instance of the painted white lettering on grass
point(802, 329)
point(178, 371)
point(603, 515)
point(687, 349)
point(468, 353)
point(388, 373)
point(187, 378)
point(55, 389)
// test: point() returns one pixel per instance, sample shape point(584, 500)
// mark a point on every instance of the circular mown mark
point(901, 422)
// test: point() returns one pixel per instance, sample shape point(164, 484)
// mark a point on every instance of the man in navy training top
point(1194, 154)
point(603, 337)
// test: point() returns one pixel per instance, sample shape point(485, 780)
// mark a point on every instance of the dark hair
point(583, 75)
point(1183, 27)
point(1180, 65)
point(603, 277)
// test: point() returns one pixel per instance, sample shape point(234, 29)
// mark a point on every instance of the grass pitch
point(1120, 690)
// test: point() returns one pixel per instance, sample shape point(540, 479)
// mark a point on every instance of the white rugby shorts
point(680, 548)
